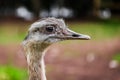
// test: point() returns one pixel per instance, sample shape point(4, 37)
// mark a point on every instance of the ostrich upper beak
point(71, 35)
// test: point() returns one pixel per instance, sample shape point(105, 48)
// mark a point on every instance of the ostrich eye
point(49, 28)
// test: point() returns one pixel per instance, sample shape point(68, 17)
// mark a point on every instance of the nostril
point(75, 35)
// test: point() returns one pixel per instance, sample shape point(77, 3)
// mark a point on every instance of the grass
point(12, 32)
point(12, 73)
point(117, 57)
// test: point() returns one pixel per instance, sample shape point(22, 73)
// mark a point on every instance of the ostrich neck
point(35, 59)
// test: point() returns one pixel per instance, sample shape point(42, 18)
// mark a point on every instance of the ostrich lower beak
point(71, 35)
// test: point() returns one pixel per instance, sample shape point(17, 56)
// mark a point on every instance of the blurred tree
point(80, 7)
point(7, 7)
point(96, 7)
point(36, 4)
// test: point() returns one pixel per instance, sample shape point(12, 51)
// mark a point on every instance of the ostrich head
point(40, 35)
point(50, 30)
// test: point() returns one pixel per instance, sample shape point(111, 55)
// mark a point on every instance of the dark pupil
point(49, 29)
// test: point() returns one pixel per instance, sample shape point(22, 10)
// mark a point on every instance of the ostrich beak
point(71, 35)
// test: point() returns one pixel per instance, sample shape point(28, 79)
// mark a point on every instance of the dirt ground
point(75, 61)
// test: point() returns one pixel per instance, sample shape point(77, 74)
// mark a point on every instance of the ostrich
point(41, 34)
